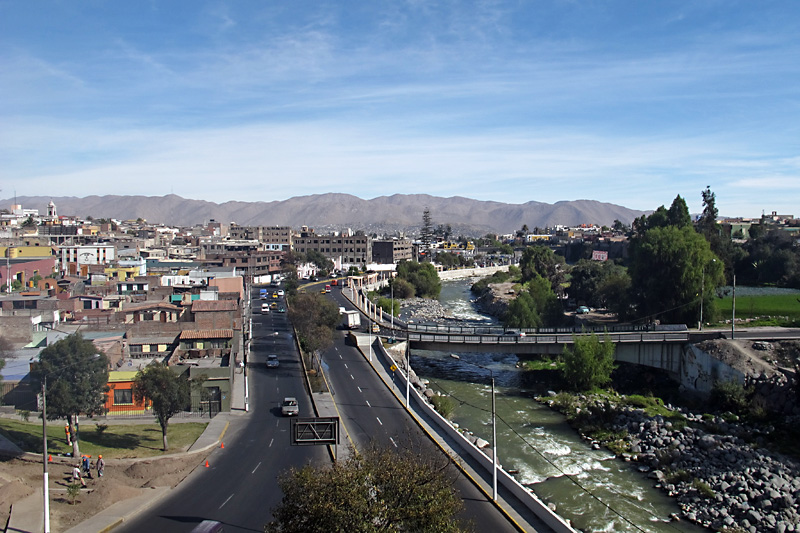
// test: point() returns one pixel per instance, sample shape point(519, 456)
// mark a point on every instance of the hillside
point(333, 210)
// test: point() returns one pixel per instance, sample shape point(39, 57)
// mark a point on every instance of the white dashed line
point(259, 464)
point(226, 501)
point(359, 390)
point(393, 442)
point(351, 377)
point(379, 420)
point(270, 443)
point(368, 403)
point(345, 365)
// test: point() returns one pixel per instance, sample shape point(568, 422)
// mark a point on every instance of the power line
point(559, 469)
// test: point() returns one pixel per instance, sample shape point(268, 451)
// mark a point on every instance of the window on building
point(123, 396)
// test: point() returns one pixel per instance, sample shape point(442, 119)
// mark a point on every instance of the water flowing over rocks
point(716, 468)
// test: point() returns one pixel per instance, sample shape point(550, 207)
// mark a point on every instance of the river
point(590, 487)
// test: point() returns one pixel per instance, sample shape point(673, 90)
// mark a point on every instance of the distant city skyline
point(628, 103)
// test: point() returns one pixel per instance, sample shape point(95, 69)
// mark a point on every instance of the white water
point(590, 487)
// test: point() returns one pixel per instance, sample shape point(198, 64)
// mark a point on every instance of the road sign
point(314, 431)
point(393, 368)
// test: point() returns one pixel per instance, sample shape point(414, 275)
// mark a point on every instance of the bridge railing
point(544, 339)
point(496, 330)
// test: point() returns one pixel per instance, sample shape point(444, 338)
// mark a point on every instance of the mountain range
point(399, 212)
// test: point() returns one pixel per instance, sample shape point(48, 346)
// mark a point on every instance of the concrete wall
point(471, 272)
point(699, 370)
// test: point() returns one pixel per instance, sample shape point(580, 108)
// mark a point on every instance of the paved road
point(240, 486)
point(372, 415)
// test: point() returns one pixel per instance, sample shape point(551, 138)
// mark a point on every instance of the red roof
point(193, 334)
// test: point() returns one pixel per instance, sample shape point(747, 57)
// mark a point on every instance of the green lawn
point(117, 441)
point(766, 305)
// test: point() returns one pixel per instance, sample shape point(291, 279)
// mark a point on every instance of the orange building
point(119, 399)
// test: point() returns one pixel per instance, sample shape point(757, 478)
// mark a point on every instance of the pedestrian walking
point(101, 465)
point(66, 432)
point(87, 466)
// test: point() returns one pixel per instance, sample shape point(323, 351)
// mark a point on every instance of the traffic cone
point(222, 445)
point(49, 458)
point(206, 463)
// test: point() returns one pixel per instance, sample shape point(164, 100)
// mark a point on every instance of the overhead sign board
point(315, 431)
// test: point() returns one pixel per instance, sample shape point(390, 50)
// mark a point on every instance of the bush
point(24, 415)
point(588, 365)
point(444, 405)
point(100, 428)
point(703, 488)
point(730, 396)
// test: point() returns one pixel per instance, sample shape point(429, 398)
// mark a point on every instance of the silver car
point(272, 361)
point(289, 407)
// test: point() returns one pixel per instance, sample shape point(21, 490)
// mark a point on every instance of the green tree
point(585, 278)
point(707, 223)
point(534, 307)
point(542, 261)
point(168, 392)
point(422, 276)
point(314, 318)
point(589, 363)
point(670, 269)
point(678, 213)
point(76, 374)
point(378, 490)
point(324, 264)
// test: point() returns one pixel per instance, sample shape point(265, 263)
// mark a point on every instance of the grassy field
point(766, 305)
point(116, 441)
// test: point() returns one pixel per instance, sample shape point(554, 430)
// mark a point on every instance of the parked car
point(272, 361)
point(582, 310)
point(289, 407)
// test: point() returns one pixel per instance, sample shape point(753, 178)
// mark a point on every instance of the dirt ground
point(123, 479)
point(741, 355)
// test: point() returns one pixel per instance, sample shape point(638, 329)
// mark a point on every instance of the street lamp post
point(494, 429)
point(45, 473)
point(733, 313)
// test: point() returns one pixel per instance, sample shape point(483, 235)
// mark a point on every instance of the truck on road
point(351, 320)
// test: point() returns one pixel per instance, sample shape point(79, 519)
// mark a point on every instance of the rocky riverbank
point(717, 469)
point(423, 310)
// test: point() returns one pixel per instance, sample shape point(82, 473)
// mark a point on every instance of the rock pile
point(422, 310)
point(717, 469)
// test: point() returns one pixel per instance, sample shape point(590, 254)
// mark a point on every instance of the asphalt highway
point(372, 416)
point(239, 488)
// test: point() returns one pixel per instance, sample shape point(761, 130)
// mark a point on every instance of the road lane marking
point(226, 501)
point(359, 390)
point(270, 444)
point(259, 463)
point(351, 377)
point(368, 403)
point(379, 420)
point(391, 439)
point(345, 365)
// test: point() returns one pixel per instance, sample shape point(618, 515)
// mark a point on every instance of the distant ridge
point(399, 212)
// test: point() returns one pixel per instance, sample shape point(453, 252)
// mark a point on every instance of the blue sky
point(628, 102)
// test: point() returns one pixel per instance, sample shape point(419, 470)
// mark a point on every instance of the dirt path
point(123, 479)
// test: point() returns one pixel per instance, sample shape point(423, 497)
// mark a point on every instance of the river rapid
point(592, 488)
